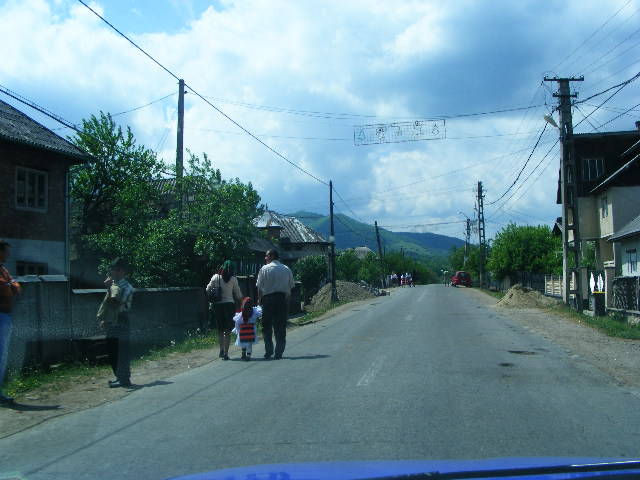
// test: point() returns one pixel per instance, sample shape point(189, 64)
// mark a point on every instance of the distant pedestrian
point(408, 279)
point(414, 278)
point(224, 294)
point(9, 288)
point(274, 283)
point(114, 318)
point(402, 280)
point(394, 279)
point(245, 327)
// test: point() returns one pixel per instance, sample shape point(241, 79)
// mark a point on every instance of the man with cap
point(274, 284)
point(119, 298)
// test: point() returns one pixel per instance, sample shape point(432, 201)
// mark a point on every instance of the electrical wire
point(523, 167)
point(621, 84)
point(203, 98)
point(591, 36)
point(585, 117)
point(618, 116)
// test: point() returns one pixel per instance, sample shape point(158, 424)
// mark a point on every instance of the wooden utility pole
point(467, 238)
point(481, 235)
point(569, 194)
point(332, 239)
point(180, 139)
point(380, 254)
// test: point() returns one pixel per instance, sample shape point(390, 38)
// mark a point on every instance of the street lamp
point(549, 119)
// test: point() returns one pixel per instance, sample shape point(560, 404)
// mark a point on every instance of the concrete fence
point(52, 322)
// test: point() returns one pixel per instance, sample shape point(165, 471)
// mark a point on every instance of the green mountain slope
point(350, 233)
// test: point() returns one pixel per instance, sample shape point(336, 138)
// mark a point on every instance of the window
point(632, 261)
point(604, 207)
point(31, 189)
point(593, 168)
point(31, 268)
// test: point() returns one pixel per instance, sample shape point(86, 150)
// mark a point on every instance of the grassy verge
point(58, 375)
point(493, 293)
point(614, 325)
point(308, 317)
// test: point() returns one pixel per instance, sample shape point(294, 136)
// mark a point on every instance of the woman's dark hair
point(226, 271)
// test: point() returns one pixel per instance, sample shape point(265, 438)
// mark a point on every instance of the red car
point(461, 278)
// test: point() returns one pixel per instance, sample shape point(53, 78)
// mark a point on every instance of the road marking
point(370, 374)
point(409, 317)
point(423, 295)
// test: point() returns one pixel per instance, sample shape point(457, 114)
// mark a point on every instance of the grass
point(317, 313)
point(614, 325)
point(493, 293)
point(58, 375)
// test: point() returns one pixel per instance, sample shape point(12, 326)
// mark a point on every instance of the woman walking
point(224, 291)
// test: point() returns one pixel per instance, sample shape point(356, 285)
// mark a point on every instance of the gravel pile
point(521, 297)
point(347, 292)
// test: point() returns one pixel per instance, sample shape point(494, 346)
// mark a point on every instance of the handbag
point(215, 294)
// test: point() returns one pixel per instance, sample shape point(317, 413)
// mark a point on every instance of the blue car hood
point(378, 469)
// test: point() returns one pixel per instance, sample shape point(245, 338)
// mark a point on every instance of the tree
point(370, 269)
point(171, 236)
point(347, 266)
point(524, 248)
point(456, 260)
point(312, 273)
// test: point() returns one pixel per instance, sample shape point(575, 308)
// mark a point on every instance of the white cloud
point(399, 59)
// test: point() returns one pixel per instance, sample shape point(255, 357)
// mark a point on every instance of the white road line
point(423, 295)
point(370, 374)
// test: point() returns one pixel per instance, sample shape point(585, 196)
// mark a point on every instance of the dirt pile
point(521, 297)
point(347, 292)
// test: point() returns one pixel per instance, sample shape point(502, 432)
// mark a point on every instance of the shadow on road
point(20, 407)
point(305, 357)
point(157, 383)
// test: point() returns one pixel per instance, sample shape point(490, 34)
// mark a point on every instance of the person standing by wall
point(274, 284)
point(223, 303)
point(9, 288)
point(114, 318)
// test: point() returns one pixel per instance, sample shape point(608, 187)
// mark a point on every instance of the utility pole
point(332, 239)
point(467, 238)
point(380, 254)
point(569, 193)
point(179, 143)
point(481, 235)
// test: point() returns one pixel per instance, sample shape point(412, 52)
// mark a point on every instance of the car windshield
point(230, 235)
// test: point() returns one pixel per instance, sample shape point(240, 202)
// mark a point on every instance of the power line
point(621, 84)
point(423, 224)
point(202, 97)
point(143, 106)
point(523, 167)
point(585, 117)
point(618, 116)
point(591, 36)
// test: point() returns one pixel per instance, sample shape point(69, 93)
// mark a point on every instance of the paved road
point(426, 373)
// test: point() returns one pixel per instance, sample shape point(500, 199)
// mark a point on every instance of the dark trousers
point(118, 348)
point(274, 318)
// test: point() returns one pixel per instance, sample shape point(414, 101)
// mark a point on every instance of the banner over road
point(399, 132)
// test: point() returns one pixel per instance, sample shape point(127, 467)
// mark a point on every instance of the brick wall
point(16, 223)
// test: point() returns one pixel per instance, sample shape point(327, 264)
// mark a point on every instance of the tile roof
point(630, 229)
point(17, 127)
point(292, 228)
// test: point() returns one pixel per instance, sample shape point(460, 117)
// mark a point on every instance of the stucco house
point(34, 203)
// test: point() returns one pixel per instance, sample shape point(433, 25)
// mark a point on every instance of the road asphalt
point(430, 372)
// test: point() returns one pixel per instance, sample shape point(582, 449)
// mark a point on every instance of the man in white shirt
point(274, 283)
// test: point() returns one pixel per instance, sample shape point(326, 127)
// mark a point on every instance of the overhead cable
point(523, 167)
point(203, 98)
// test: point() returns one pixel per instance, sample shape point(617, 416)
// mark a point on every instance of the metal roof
point(17, 127)
point(629, 230)
point(292, 228)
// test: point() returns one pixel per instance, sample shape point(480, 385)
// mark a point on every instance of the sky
point(304, 75)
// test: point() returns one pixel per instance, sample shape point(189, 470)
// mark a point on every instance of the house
point(362, 252)
point(293, 238)
point(608, 187)
point(34, 185)
point(626, 287)
point(628, 238)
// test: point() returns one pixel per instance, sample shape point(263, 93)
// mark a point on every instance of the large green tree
point(172, 233)
point(524, 248)
point(311, 271)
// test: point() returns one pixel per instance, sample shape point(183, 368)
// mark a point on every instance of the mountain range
point(351, 233)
